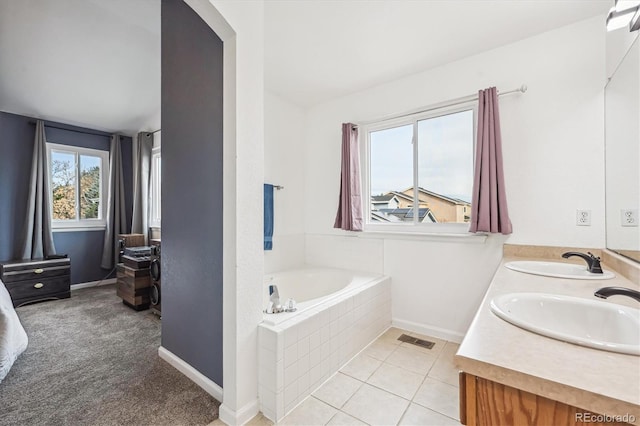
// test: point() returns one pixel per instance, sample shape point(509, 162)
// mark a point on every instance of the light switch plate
point(583, 217)
point(629, 217)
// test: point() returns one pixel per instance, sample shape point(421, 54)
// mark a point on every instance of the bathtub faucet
point(274, 300)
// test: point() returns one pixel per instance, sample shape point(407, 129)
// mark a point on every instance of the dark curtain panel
point(37, 235)
point(116, 217)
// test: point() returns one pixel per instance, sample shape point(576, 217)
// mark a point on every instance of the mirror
point(622, 156)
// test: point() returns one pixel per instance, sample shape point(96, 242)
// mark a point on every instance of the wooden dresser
point(36, 280)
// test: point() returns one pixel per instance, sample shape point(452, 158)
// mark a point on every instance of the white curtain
point(142, 147)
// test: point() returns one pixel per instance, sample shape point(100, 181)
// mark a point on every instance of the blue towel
point(268, 216)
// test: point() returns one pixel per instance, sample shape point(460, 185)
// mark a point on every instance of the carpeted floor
point(93, 361)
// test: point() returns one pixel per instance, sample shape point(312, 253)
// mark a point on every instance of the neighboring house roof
point(406, 214)
point(401, 195)
point(382, 198)
point(435, 194)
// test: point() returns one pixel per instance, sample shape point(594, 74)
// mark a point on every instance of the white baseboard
point(239, 417)
point(192, 374)
point(429, 330)
point(93, 283)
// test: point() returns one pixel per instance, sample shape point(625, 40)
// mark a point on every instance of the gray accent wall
point(191, 189)
point(16, 147)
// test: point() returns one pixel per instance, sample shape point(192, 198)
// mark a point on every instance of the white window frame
point(81, 224)
point(415, 227)
point(155, 210)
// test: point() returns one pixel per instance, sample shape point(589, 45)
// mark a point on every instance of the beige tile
point(375, 406)
point(342, 419)
point(396, 380)
point(418, 415)
point(337, 390)
point(259, 420)
point(361, 367)
point(311, 412)
point(380, 350)
point(391, 336)
point(444, 368)
point(438, 396)
point(412, 360)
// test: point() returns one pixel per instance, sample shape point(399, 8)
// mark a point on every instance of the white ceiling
point(320, 50)
point(93, 63)
point(96, 63)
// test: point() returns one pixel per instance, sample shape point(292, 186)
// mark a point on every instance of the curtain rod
point(105, 134)
point(440, 105)
point(155, 131)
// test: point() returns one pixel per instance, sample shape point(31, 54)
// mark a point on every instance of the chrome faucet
point(605, 292)
point(274, 300)
point(593, 262)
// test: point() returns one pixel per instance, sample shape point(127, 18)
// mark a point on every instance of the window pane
point(445, 166)
point(63, 185)
point(90, 187)
point(391, 176)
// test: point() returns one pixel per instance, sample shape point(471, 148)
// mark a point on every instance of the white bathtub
point(339, 313)
point(310, 287)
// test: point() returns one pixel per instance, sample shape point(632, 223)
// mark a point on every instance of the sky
point(445, 156)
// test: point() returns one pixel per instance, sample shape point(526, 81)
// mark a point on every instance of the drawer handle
point(38, 285)
point(38, 271)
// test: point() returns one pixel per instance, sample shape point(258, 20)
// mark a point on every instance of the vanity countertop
point(591, 379)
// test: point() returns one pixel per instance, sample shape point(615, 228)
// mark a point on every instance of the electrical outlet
point(629, 217)
point(583, 217)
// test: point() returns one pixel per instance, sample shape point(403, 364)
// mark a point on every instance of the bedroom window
point(78, 186)
point(418, 173)
point(156, 185)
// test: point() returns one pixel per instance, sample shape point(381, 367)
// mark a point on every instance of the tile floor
point(389, 383)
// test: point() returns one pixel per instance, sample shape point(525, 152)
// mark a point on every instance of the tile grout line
point(384, 362)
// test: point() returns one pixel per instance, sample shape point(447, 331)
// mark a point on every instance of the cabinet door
point(484, 402)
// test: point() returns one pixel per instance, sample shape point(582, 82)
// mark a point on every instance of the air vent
point(415, 341)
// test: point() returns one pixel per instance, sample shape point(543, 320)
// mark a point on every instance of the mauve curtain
point(116, 216)
point(37, 236)
point(349, 215)
point(489, 211)
point(142, 147)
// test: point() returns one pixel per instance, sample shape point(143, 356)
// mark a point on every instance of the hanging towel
point(268, 216)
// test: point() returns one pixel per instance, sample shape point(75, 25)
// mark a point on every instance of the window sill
point(78, 228)
point(449, 237)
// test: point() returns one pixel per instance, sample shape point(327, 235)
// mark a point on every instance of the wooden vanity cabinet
point(484, 402)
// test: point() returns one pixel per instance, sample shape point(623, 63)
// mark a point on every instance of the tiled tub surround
point(598, 381)
point(300, 351)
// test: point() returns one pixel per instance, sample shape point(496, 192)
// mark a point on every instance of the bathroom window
point(78, 186)
point(418, 173)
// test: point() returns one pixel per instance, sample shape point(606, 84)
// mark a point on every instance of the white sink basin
point(557, 270)
point(592, 323)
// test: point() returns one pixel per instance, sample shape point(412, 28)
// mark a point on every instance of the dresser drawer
point(37, 289)
point(34, 270)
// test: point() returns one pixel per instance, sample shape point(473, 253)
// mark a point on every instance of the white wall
point(618, 44)
point(553, 155)
point(240, 25)
point(284, 165)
